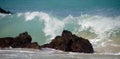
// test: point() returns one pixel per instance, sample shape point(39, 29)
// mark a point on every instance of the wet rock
point(6, 42)
point(21, 41)
point(70, 43)
point(4, 11)
point(34, 45)
point(66, 42)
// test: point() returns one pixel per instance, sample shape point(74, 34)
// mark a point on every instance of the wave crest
point(102, 31)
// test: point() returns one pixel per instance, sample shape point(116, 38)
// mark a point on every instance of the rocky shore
point(66, 42)
point(4, 11)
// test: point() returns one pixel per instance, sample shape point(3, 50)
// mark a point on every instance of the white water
point(102, 31)
point(47, 53)
point(102, 27)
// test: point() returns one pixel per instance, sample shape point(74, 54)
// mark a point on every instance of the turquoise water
point(63, 7)
point(96, 20)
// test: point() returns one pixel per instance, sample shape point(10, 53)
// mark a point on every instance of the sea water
point(48, 53)
point(96, 20)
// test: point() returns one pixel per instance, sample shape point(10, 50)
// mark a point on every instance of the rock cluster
point(66, 42)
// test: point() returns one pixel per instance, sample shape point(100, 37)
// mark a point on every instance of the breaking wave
point(102, 31)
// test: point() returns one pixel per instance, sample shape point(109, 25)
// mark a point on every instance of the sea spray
point(102, 31)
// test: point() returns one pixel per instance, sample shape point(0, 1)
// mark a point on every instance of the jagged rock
point(69, 42)
point(4, 11)
point(21, 41)
point(6, 42)
point(34, 45)
point(66, 42)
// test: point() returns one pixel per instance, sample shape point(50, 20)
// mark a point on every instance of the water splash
point(102, 31)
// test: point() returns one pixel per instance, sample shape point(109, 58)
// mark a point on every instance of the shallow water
point(47, 53)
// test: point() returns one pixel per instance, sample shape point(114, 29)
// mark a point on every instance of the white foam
point(99, 24)
point(19, 14)
point(30, 15)
point(53, 26)
point(102, 26)
point(3, 15)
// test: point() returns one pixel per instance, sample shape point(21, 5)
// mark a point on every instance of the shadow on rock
point(70, 43)
point(66, 42)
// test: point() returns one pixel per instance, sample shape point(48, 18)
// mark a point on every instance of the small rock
point(4, 11)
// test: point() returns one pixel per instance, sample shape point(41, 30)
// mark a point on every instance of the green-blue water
point(96, 20)
point(63, 7)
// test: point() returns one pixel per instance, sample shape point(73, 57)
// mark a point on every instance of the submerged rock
point(4, 11)
point(21, 41)
point(71, 43)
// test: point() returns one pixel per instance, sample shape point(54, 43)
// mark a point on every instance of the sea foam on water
point(102, 31)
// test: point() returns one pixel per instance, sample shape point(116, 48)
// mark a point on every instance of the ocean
point(96, 20)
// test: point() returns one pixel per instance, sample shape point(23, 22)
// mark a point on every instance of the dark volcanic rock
point(34, 45)
point(6, 42)
point(69, 42)
point(4, 11)
point(21, 41)
point(66, 42)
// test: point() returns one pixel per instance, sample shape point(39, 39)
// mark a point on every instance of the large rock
point(6, 42)
point(4, 11)
point(21, 41)
point(66, 42)
point(71, 43)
